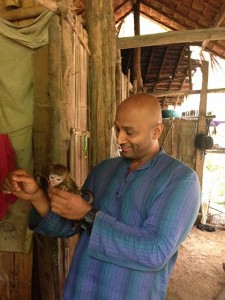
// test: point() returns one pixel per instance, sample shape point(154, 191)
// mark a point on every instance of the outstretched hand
point(65, 204)
point(20, 184)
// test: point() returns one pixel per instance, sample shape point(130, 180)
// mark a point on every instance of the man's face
point(135, 133)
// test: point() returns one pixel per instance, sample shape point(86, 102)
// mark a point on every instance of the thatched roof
point(175, 15)
point(167, 67)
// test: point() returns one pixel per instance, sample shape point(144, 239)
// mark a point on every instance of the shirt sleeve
point(52, 225)
point(149, 247)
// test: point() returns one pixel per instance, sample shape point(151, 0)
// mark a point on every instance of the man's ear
point(157, 131)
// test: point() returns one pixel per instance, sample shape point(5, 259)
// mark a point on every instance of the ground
point(199, 273)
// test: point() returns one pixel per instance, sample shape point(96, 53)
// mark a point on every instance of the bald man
point(139, 125)
point(145, 203)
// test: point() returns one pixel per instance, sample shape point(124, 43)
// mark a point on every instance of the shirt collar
point(149, 163)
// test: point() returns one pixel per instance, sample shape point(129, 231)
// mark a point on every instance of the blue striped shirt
point(144, 216)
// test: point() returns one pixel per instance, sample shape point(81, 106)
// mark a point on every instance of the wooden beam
point(22, 13)
point(171, 37)
point(185, 93)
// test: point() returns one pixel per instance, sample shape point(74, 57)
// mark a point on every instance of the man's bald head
point(138, 126)
point(142, 104)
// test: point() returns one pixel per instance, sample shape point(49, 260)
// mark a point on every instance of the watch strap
point(88, 220)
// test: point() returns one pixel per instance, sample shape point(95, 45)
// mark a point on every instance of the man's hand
point(20, 184)
point(24, 186)
point(68, 205)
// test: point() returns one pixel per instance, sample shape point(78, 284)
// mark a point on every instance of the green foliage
point(214, 178)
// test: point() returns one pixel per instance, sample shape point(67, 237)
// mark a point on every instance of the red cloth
point(7, 164)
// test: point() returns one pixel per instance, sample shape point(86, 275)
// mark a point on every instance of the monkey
point(60, 177)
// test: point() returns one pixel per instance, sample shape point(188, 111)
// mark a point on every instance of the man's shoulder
point(175, 163)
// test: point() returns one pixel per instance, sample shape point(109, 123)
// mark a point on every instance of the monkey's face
point(55, 179)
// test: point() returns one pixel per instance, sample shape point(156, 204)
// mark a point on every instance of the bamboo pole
point(118, 78)
point(128, 82)
point(77, 120)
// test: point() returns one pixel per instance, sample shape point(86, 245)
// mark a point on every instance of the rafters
point(217, 22)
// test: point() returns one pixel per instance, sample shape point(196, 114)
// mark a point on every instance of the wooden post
point(189, 68)
point(118, 78)
point(137, 51)
point(202, 118)
point(200, 155)
point(102, 45)
point(55, 91)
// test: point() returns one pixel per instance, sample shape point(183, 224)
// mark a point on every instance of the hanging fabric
point(7, 164)
point(17, 46)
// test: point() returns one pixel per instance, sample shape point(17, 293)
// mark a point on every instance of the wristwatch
point(88, 220)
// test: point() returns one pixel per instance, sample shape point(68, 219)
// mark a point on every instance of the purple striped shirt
point(144, 216)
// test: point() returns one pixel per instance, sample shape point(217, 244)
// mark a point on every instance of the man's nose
point(121, 137)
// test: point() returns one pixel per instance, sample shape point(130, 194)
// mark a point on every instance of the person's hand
point(68, 205)
point(20, 184)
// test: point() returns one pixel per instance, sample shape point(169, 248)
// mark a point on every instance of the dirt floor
point(199, 273)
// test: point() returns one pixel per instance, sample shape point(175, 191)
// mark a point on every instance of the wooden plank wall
point(15, 276)
point(178, 139)
point(60, 136)
point(79, 130)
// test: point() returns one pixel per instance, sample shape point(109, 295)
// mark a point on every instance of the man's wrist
point(88, 220)
point(40, 202)
point(37, 195)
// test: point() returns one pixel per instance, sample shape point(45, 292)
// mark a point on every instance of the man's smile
point(125, 148)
